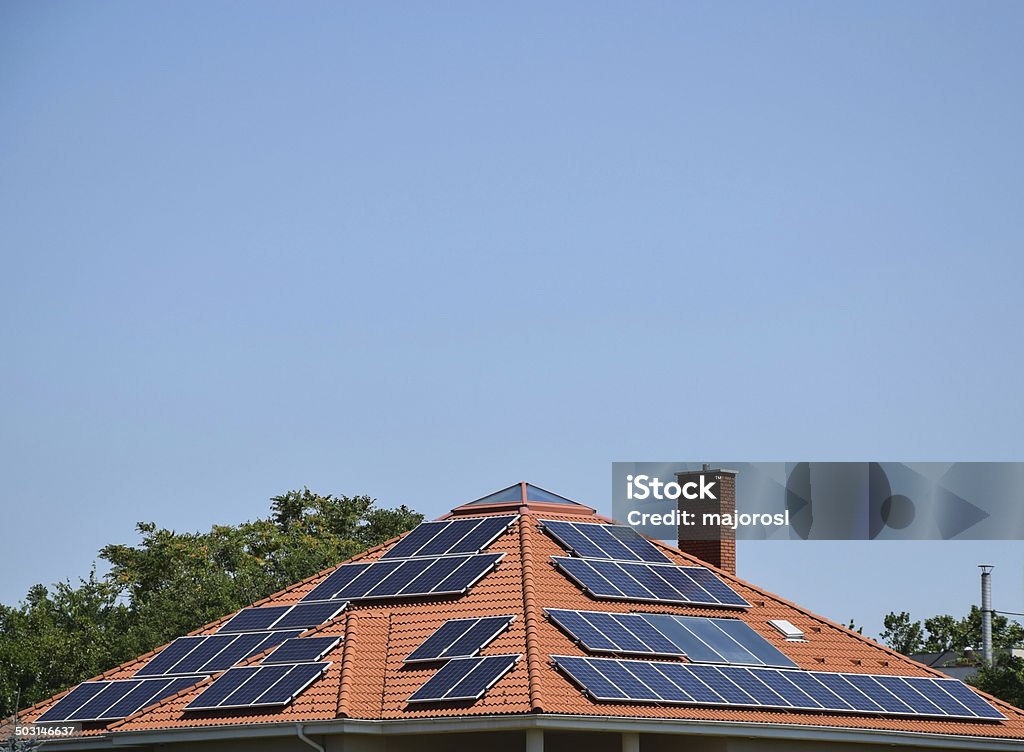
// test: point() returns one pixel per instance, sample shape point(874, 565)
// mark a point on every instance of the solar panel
point(113, 700)
point(642, 581)
point(464, 679)
point(611, 680)
point(468, 535)
point(459, 638)
point(405, 578)
point(592, 540)
point(258, 686)
point(701, 639)
point(206, 654)
point(269, 618)
point(302, 650)
point(254, 619)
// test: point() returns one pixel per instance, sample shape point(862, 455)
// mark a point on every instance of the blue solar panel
point(607, 679)
point(148, 693)
point(466, 535)
point(258, 686)
point(641, 581)
point(459, 638)
point(227, 683)
point(113, 700)
point(270, 618)
point(206, 654)
point(170, 655)
point(599, 541)
point(254, 619)
point(249, 693)
point(405, 578)
point(335, 581)
point(292, 685)
point(73, 700)
point(302, 650)
point(464, 679)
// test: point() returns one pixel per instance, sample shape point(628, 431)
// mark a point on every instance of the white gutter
point(307, 740)
point(607, 724)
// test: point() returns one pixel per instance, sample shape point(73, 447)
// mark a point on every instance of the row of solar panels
point(464, 679)
point(281, 677)
point(658, 583)
point(467, 535)
point(258, 686)
point(441, 558)
point(459, 638)
point(207, 654)
point(113, 700)
point(701, 639)
point(593, 540)
point(271, 618)
point(637, 681)
point(404, 578)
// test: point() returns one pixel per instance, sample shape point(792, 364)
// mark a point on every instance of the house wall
point(515, 741)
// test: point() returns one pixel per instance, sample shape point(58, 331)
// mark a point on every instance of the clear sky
point(422, 251)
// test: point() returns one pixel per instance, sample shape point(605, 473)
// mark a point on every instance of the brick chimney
point(715, 545)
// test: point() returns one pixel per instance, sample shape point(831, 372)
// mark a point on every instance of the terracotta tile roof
point(367, 678)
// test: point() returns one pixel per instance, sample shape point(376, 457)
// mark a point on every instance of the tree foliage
point(1003, 679)
point(902, 634)
point(944, 632)
point(172, 583)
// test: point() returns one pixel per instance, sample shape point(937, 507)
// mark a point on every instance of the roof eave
point(544, 721)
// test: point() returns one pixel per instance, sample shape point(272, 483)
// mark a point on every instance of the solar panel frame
point(207, 654)
point(70, 702)
point(643, 581)
point(159, 664)
point(301, 650)
point(457, 536)
point(143, 696)
point(293, 684)
point(248, 687)
point(304, 614)
point(464, 679)
point(594, 540)
point(402, 578)
point(108, 700)
point(222, 688)
point(607, 679)
point(335, 581)
point(254, 619)
point(260, 682)
point(478, 631)
point(110, 695)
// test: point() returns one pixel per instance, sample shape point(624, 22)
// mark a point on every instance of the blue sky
point(423, 252)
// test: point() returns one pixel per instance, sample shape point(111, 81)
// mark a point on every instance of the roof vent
point(788, 630)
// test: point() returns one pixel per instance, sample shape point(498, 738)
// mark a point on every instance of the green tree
point(172, 583)
point(1003, 679)
point(946, 632)
point(902, 634)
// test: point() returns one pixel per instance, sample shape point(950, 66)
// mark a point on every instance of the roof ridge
point(533, 663)
point(345, 680)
